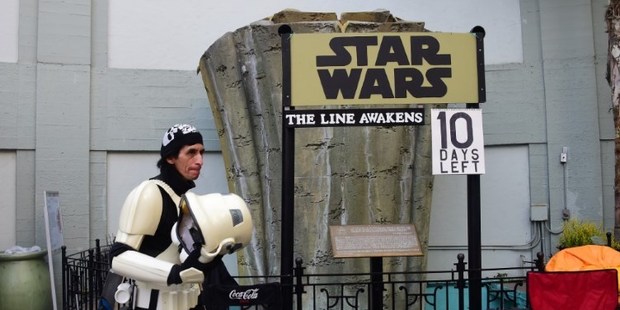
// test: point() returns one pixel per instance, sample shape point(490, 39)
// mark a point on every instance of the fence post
point(299, 287)
point(460, 282)
point(98, 272)
point(376, 283)
point(97, 249)
point(540, 261)
point(90, 279)
point(63, 261)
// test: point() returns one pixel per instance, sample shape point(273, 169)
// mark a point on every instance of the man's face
point(189, 161)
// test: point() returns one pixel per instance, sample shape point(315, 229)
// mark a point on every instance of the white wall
point(505, 211)
point(9, 19)
point(166, 34)
point(7, 201)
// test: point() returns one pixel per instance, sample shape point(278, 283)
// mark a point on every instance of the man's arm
point(138, 266)
point(140, 216)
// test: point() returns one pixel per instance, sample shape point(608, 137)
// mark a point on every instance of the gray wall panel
point(9, 99)
point(17, 101)
point(99, 54)
point(62, 146)
point(25, 199)
point(512, 115)
point(98, 202)
point(608, 161)
point(566, 28)
point(28, 23)
point(570, 93)
point(133, 108)
point(603, 89)
point(64, 32)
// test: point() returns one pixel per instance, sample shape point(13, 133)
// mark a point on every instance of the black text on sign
point(458, 141)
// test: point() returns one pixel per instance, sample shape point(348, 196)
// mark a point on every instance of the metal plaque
point(374, 240)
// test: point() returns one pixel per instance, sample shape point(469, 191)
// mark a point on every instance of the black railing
point(407, 290)
point(84, 274)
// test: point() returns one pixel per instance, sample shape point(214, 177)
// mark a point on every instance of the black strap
point(154, 297)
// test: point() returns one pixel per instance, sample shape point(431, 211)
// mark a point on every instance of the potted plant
point(578, 233)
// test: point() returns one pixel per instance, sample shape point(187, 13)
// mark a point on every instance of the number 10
point(453, 138)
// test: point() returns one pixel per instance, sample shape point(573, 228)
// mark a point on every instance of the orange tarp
point(587, 257)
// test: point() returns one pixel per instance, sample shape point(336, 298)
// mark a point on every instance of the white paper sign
point(458, 141)
point(55, 240)
point(53, 220)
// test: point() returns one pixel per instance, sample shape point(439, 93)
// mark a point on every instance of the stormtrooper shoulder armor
point(142, 210)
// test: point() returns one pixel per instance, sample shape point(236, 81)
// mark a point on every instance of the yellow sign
point(383, 68)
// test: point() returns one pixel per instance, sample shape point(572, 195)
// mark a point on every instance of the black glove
point(174, 276)
point(211, 265)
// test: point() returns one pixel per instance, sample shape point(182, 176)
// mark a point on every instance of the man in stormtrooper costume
point(156, 226)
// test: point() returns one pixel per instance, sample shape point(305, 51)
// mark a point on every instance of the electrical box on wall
point(539, 213)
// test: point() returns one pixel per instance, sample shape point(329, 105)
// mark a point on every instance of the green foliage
point(578, 233)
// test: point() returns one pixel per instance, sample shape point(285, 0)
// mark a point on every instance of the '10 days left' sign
point(458, 142)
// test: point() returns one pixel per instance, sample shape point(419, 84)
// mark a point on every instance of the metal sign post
point(474, 235)
point(53, 234)
point(288, 175)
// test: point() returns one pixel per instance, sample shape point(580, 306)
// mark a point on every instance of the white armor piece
point(222, 223)
point(140, 217)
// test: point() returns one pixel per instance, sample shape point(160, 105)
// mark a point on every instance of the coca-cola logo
point(248, 294)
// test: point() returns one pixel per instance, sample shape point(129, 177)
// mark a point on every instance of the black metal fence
point(84, 274)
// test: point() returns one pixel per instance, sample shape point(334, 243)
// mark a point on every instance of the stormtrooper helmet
point(218, 223)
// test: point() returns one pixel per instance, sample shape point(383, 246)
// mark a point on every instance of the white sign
point(358, 117)
point(458, 141)
point(53, 220)
point(55, 240)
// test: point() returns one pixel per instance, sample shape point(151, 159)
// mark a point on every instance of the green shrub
point(578, 233)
